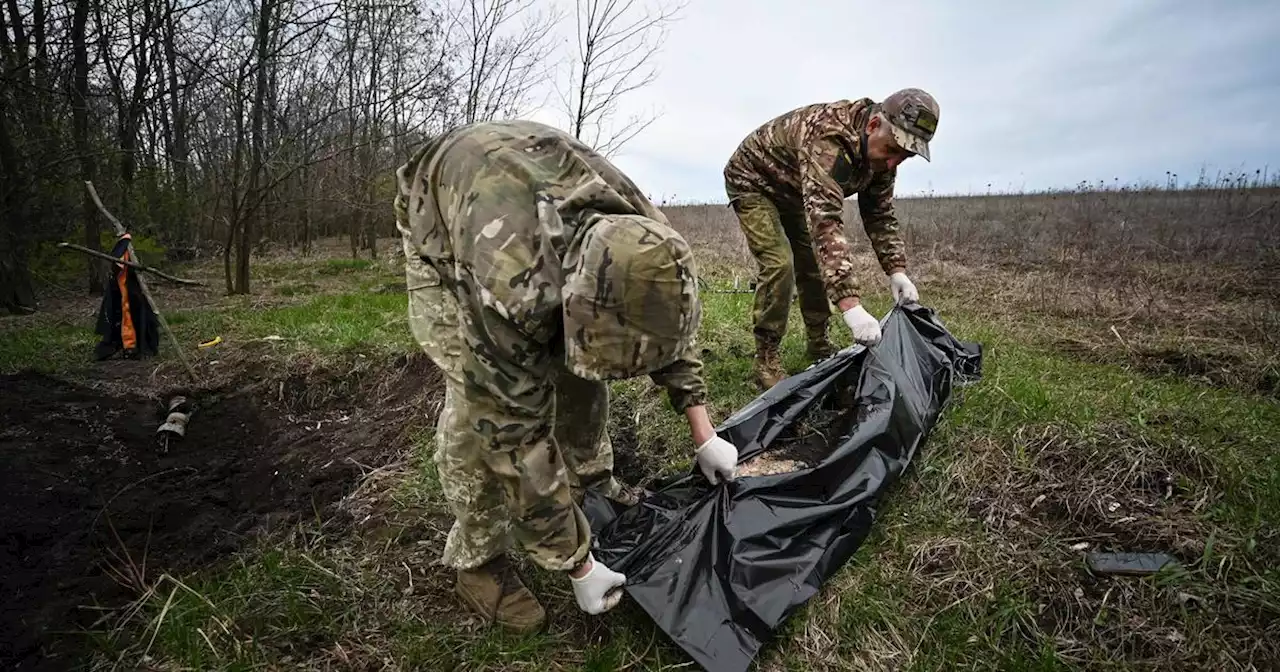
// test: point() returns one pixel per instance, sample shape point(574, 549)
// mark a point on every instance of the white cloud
point(1032, 95)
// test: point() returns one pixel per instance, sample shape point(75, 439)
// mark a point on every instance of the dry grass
point(1045, 495)
point(1108, 229)
point(1167, 282)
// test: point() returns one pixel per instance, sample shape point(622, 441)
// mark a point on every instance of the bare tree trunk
point(236, 220)
point(180, 152)
point(88, 165)
point(16, 291)
point(305, 194)
point(131, 110)
point(6, 47)
point(371, 120)
point(353, 221)
point(256, 166)
point(16, 294)
point(39, 67)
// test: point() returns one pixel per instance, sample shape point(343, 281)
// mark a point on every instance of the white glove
point(904, 291)
point(865, 327)
point(717, 457)
point(599, 590)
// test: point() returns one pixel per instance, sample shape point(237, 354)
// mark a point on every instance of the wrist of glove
point(599, 590)
point(904, 291)
point(864, 325)
point(718, 459)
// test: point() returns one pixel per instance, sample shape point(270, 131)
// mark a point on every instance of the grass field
point(1130, 402)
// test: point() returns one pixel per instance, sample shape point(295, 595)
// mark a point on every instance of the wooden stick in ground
point(132, 264)
point(142, 283)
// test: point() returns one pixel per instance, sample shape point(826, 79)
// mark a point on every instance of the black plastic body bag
point(719, 568)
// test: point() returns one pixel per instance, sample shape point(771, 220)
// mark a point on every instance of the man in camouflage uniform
point(787, 182)
point(537, 272)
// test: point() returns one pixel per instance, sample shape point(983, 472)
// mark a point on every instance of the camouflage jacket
point(500, 210)
point(809, 160)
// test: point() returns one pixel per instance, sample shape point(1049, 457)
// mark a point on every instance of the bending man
point(787, 182)
point(537, 271)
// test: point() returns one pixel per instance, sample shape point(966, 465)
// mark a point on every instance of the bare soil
point(93, 508)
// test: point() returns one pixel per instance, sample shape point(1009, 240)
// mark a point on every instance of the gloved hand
point(865, 327)
point(717, 457)
point(904, 291)
point(599, 590)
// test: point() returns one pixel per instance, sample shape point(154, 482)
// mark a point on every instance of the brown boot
point(820, 346)
point(495, 591)
point(768, 363)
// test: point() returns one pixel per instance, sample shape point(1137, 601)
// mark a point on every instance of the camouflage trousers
point(779, 240)
point(482, 499)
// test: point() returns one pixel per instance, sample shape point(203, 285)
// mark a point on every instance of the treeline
point(216, 126)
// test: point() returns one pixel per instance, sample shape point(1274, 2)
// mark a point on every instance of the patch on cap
point(913, 118)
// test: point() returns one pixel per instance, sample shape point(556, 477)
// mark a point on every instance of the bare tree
point(230, 124)
point(80, 133)
point(126, 30)
point(33, 162)
point(616, 41)
point(499, 65)
point(16, 293)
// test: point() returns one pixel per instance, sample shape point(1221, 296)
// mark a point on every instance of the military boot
point(820, 346)
point(495, 591)
point(768, 363)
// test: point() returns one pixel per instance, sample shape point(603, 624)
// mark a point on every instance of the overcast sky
point(1032, 94)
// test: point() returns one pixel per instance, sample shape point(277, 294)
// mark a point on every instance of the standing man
point(787, 183)
point(537, 272)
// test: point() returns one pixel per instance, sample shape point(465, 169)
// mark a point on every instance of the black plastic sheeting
point(719, 568)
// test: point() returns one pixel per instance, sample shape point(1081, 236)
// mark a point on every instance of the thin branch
point(614, 51)
point(93, 193)
point(131, 264)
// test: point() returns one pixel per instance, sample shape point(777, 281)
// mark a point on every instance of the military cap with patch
point(913, 118)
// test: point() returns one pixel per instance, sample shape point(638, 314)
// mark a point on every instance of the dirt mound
point(91, 504)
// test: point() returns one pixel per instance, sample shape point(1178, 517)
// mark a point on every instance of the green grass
point(48, 349)
point(363, 308)
point(324, 323)
point(344, 266)
point(970, 565)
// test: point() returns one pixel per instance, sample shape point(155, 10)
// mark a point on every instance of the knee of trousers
point(777, 265)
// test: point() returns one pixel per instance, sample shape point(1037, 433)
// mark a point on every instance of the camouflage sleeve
point(824, 212)
point(875, 204)
point(683, 382)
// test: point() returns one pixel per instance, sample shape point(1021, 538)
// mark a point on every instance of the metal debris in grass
point(1129, 564)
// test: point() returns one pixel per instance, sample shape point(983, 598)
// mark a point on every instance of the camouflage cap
point(913, 118)
point(631, 299)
